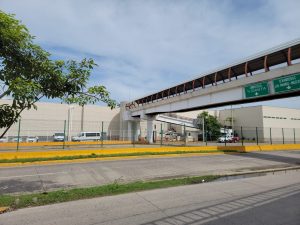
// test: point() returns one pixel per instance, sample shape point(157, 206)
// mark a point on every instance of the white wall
point(283, 121)
point(49, 118)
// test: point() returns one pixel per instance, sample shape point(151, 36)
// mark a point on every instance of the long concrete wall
point(49, 118)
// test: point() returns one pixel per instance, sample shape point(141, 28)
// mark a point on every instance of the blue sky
point(143, 46)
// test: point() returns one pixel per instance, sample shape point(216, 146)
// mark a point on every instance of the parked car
point(15, 139)
point(4, 139)
point(32, 139)
point(229, 139)
point(59, 137)
point(87, 136)
point(171, 135)
point(235, 139)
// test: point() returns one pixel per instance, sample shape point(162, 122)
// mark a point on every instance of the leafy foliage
point(212, 125)
point(27, 74)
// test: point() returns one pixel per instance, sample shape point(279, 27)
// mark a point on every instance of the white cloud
point(144, 46)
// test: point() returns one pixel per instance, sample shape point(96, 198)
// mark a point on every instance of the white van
point(87, 136)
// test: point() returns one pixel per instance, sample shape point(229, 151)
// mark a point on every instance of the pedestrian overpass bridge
point(271, 74)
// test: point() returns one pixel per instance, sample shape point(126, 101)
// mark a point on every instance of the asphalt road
point(50, 177)
point(268, 200)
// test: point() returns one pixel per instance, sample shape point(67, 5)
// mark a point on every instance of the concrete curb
point(53, 162)
point(165, 149)
point(233, 174)
point(263, 171)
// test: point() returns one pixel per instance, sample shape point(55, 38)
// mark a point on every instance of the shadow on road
point(270, 157)
point(17, 186)
point(217, 211)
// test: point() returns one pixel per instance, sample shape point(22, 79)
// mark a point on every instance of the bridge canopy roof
point(278, 56)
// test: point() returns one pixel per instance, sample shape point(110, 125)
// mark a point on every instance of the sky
point(142, 46)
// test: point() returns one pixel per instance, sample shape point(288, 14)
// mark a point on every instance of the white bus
point(87, 136)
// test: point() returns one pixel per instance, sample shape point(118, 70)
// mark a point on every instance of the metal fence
point(63, 133)
point(243, 135)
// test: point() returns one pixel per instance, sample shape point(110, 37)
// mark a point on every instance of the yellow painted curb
point(261, 147)
point(107, 159)
point(164, 149)
point(3, 209)
point(47, 154)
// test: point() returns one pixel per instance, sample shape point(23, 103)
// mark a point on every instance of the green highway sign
point(257, 90)
point(287, 83)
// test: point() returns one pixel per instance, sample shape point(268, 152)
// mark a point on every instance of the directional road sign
point(257, 90)
point(287, 83)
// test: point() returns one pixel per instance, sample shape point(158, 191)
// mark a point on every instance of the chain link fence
point(69, 134)
point(182, 135)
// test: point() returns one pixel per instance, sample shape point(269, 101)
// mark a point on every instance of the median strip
point(19, 158)
point(38, 199)
point(99, 156)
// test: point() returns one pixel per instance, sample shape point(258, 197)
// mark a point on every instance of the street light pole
point(232, 121)
point(70, 122)
point(82, 118)
point(203, 127)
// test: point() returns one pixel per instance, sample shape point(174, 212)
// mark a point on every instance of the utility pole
point(71, 107)
point(203, 127)
point(82, 118)
point(232, 121)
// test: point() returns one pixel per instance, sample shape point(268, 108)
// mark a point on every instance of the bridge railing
point(281, 56)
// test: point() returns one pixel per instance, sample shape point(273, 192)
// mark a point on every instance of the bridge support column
point(150, 130)
point(129, 130)
point(129, 126)
point(133, 130)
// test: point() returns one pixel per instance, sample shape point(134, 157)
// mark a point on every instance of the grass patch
point(93, 155)
point(28, 200)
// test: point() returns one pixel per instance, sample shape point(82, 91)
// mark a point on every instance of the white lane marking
point(31, 175)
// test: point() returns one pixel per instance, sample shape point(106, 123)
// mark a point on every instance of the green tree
point(212, 125)
point(27, 74)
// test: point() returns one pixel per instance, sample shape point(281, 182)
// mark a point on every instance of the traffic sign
point(257, 90)
point(287, 83)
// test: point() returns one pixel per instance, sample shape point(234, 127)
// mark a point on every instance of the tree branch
point(4, 94)
point(17, 115)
